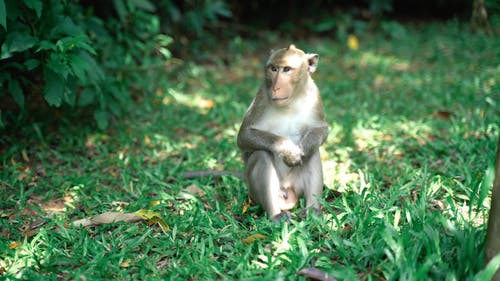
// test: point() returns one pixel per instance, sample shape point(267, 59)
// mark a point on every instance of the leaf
point(352, 42)
point(253, 237)
point(246, 206)
point(487, 273)
point(195, 190)
point(3, 15)
point(79, 66)
point(35, 5)
point(108, 217)
point(313, 273)
point(113, 105)
point(54, 88)
point(87, 65)
point(154, 203)
point(220, 8)
point(65, 27)
point(79, 41)
point(325, 25)
point(14, 245)
point(158, 220)
point(147, 214)
point(70, 97)
point(126, 263)
point(58, 62)
point(16, 92)
point(153, 217)
point(24, 154)
point(165, 52)
point(31, 64)
point(117, 93)
point(46, 45)
point(102, 118)
point(121, 10)
point(2, 122)
point(443, 114)
point(16, 42)
point(147, 141)
point(206, 104)
point(145, 5)
point(87, 96)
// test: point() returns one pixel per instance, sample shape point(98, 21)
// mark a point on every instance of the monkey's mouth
point(280, 99)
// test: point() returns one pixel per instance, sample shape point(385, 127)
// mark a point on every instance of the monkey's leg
point(312, 179)
point(263, 182)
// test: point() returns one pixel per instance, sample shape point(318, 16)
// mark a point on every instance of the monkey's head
point(287, 74)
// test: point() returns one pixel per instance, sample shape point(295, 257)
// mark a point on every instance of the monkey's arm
point(313, 138)
point(252, 139)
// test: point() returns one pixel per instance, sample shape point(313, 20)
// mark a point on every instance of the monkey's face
point(287, 72)
point(284, 74)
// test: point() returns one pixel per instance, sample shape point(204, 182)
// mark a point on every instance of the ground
point(414, 115)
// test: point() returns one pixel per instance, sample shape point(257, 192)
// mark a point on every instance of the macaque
point(281, 133)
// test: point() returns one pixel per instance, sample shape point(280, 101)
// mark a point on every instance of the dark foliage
point(92, 54)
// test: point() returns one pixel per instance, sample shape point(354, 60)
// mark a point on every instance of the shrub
point(61, 50)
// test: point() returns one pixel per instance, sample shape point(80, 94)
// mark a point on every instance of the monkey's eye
point(273, 68)
point(286, 69)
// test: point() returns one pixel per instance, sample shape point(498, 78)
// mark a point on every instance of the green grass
point(414, 121)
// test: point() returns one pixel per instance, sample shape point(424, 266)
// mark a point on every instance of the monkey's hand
point(290, 153)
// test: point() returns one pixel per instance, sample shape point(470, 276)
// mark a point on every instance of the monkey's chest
point(291, 126)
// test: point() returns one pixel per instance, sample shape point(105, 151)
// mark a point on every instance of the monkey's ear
point(312, 60)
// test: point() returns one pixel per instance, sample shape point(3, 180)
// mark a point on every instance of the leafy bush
point(189, 20)
point(192, 16)
point(61, 50)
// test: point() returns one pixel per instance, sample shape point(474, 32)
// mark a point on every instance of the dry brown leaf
point(353, 42)
point(315, 274)
point(152, 218)
point(387, 137)
point(246, 206)
point(378, 81)
point(253, 237)
point(195, 190)
point(36, 224)
point(57, 205)
point(25, 173)
point(24, 154)
point(40, 170)
point(14, 245)
point(126, 263)
point(93, 139)
point(166, 100)
point(442, 114)
point(154, 203)
point(402, 66)
point(107, 217)
point(206, 104)
point(147, 141)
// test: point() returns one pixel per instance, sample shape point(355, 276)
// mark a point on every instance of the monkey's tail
point(211, 173)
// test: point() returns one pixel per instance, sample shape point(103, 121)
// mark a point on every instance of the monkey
point(280, 135)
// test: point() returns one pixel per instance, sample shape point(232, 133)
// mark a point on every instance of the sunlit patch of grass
point(371, 59)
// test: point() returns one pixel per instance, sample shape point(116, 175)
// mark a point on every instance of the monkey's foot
point(283, 215)
point(314, 210)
